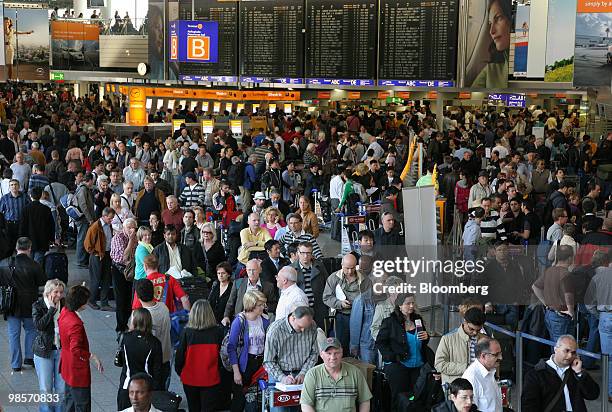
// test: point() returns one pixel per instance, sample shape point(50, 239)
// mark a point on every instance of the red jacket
point(74, 358)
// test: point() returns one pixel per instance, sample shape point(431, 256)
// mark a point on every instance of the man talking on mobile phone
point(559, 383)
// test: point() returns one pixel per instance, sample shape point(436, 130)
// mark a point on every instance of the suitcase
point(381, 391)
point(166, 401)
point(55, 265)
point(196, 288)
point(332, 264)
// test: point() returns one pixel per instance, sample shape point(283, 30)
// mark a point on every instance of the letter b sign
point(198, 48)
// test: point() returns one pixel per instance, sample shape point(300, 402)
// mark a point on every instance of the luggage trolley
point(270, 395)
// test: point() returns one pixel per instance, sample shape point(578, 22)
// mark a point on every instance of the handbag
point(130, 270)
point(119, 353)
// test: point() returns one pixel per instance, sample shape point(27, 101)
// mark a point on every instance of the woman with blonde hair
point(121, 213)
point(209, 252)
point(200, 216)
point(143, 249)
point(248, 327)
point(272, 217)
point(197, 358)
point(45, 314)
point(310, 223)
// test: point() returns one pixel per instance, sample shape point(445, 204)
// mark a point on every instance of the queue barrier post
point(520, 336)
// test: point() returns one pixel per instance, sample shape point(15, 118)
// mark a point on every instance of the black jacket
point(217, 301)
point(37, 223)
point(208, 260)
point(269, 270)
point(391, 340)
point(43, 322)
point(448, 406)
point(283, 207)
point(318, 280)
point(141, 353)
point(542, 384)
point(27, 278)
point(161, 251)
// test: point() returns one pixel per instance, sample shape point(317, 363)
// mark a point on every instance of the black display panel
point(226, 14)
point(418, 42)
point(272, 41)
point(341, 42)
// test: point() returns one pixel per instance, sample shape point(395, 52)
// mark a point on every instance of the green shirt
point(324, 393)
point(426, 180)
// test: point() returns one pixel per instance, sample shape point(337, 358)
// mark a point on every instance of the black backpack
point(7, 292)
point(235, 174)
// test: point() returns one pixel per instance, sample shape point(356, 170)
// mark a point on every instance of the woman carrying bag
point(246, 347)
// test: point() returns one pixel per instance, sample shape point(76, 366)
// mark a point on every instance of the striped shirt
point(290, 237)
point(307, 271)
point(325, 393)
point(37, 180)
point(473, 342)
point(192, 196)
point(119, 244)
point(490, 226)
point(288, 351)
point(12, 206)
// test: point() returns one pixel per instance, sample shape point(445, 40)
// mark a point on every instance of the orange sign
point(560, 95)
point(324, 95)
point(465, 95)
point(432, 95)
point(198, 48)
point(137, 106)
point(207, 94)
point(590, 6)
point(68, 30)
point(403, 95)
point(383, 95)
point(534, 95)
point(354, 95)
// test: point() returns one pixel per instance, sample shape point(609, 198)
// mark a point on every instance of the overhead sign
point(194, 41)
point(208, 126)
point(354, 95)
point(508, 99)
point(57, 76)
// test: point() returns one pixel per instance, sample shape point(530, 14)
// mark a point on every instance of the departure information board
point(341, 42)
point(418, 42)
point(272, 41)
point(225, 13)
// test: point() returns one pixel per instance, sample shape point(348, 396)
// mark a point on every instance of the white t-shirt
point(257, 336)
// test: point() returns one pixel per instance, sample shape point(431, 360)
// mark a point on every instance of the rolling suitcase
point(55, 265)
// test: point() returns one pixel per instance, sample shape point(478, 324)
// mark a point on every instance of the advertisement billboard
point(157, 49)
point(593, 45)
point(26, 43)
point(521, 40)
point(194, 41)
point(75, 45)
point(560, 38)
point(488, 43)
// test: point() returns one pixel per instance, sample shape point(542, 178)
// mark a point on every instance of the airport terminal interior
point(306, 205)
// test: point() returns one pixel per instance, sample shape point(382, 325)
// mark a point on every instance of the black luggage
point(332, 264)
point(381, 391)
point(196, 287)
point(55, 265)
point(166, 401)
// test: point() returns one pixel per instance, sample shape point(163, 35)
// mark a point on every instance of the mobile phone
point(419, 326)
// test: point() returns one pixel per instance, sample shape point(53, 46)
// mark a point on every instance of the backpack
point(7, 293)
point(235, 174)
point(224, 353)
point(56, 265)
point(68, 202)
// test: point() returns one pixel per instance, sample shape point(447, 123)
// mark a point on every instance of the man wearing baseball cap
point(339, 386)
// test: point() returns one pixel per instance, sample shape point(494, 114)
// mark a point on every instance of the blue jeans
point(557, 325)
point(81, 254)
point(605, 333)
point(14, 335)
point(342, 330)
point(593, 339)
point(368, 355)
point(271, 382)
point(50, 381)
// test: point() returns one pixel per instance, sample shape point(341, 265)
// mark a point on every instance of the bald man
point(544, 383)
point(351, 283)
point(291, 296)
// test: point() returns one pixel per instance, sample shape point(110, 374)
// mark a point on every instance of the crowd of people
point(227, 235)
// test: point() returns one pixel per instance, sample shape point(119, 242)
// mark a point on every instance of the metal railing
point(519, 338)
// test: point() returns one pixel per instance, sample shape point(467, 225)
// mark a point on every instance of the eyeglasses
point(495, 355)
point(262, 305)
point(207, 233)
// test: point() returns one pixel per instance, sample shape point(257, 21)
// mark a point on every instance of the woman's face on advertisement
point(499, 27)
